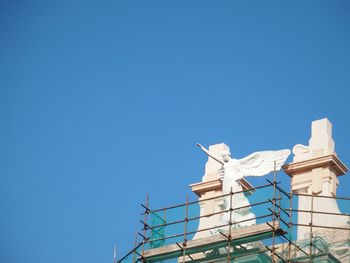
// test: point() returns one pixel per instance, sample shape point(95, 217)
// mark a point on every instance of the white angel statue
point(255, 164)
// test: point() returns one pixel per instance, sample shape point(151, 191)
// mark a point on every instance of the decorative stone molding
point(313, 172)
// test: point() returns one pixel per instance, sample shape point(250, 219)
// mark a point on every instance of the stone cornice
point(215, 185)
point(203, 187)
point(324, 161)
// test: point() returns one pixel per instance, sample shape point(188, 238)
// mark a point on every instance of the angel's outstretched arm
point(209, 154)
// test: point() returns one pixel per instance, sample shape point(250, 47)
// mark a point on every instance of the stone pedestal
point(314, 171)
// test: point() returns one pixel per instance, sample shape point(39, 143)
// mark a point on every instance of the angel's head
point(226, 156)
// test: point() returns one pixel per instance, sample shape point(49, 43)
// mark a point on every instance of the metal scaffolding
point(271, 239)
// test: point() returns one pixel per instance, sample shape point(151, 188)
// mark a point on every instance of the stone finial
point(321, 142)
point(316, 166)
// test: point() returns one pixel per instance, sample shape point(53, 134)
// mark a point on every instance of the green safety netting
point(158, 233)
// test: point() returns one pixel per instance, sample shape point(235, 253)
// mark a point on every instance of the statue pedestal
point(314, 171)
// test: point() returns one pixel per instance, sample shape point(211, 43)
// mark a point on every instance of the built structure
point(300, 224)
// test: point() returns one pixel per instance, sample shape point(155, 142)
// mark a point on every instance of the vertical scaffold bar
point(229, 229)
point(185, 232)
point(279, 200)
point(144, 229)
point(290, 225)
point(274, 211)
point(311, 224)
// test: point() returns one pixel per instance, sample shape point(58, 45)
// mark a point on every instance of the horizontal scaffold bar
point(238, 236)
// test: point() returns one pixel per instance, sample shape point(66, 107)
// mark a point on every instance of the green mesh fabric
point(157, 232)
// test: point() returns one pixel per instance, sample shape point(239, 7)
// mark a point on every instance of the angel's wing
point(261, 163)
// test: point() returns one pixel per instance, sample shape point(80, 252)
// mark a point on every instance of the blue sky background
point(102, 102)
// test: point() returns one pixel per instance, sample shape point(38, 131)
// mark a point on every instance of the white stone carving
point(256, 164)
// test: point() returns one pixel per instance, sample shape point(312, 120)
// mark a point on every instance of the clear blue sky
point(102, 102)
